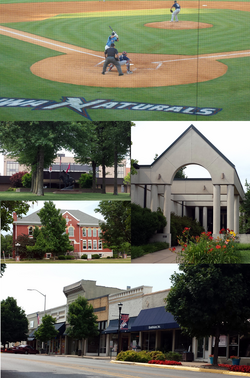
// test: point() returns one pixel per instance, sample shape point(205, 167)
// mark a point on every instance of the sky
point(50, 279)
point(231, 139)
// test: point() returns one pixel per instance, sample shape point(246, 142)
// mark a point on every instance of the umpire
point(111, 56)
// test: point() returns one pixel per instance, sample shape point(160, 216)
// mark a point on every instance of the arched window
point(30, 231)
point(71, 231)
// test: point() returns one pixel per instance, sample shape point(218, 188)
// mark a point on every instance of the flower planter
point(211, 360)
point(235, 361)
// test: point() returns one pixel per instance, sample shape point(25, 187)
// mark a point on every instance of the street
point(37, 366)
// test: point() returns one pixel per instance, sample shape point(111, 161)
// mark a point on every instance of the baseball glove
point(171, 11)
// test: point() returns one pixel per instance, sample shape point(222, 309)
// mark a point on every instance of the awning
point(154, 319)
point(113, 326)
point(60, 327)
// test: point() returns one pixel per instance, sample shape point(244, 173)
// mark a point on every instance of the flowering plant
point(235, 357)
point(204, 249)
point(211, 355)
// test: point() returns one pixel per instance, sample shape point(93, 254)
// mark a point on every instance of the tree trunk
point(40, 191)
point(103, 178)
point(216, 346)
point(94, 177)
point(115, 171)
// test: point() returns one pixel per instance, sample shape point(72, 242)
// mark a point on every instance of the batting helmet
point(124, 53)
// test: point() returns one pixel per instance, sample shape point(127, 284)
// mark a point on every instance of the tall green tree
point(35, 144)
point(52, 236)
point(116, 230)
point(7, 209)
point(46, 331)
point(211, 300)
point(82, 320)
point(7, 244)
point(14, 323)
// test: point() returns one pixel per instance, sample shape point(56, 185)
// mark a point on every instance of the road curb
point(187, 368)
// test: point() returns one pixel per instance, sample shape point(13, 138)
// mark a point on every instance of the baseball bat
point(111, 28)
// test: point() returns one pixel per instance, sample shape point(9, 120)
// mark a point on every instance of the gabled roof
point(192, 127)
point(81, 217)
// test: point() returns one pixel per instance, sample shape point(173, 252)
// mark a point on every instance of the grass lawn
point(8, 196)
point(97, 261)
point(245, 257)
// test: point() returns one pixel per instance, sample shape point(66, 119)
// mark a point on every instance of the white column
point(204, 214)
point(154, 198)
point(134, 191)
point(230, 207)
point(197, 213)
point(216, 209)
point(236, 213)
point(167, 211)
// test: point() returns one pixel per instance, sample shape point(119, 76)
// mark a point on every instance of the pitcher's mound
point(180, 25)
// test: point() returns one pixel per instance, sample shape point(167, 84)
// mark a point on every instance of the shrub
point(131, 355)
point(95, 256)
point(61, 257)
point(85, 181)
point(157, 355)
point(84, 256)
point(179, 223)
point(144, 224)
point(16, 179)
point(69, 257)
point(173, 356)
point(26, 180)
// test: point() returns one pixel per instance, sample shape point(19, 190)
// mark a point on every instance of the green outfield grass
point(229, 92)
point(8, 196)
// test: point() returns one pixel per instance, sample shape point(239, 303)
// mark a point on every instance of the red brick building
point(83, 230)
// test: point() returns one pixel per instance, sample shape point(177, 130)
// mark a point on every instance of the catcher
point(175, 12)
point(124, 59)
point(111, 56)
point(111, 39)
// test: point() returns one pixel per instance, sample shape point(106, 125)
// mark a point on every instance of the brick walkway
point(161, 257)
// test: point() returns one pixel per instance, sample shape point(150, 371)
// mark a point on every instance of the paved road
point(37, 366)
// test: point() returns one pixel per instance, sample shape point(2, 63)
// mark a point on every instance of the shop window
point(84, 233)
point(166, 340)
point(148, 340)
point(71, 231)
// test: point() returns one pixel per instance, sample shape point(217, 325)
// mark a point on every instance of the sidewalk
point(161, 257)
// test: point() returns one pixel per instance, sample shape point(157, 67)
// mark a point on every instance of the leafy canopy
point(14, 323)
point(82, 320)
point(46, 331)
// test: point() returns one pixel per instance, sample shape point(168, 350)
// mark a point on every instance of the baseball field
point(52, 54)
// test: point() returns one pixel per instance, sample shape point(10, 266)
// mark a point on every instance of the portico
point(213, 202)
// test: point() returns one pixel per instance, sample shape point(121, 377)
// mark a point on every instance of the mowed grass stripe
point(227, 33)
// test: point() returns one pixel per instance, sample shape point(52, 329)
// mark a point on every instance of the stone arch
point(191, 147)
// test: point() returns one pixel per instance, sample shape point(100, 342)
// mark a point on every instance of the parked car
point(24, 349)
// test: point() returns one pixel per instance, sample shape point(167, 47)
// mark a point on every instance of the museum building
point(83, 230)
point(136, 319)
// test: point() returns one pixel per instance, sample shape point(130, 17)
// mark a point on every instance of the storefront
point(122, 341)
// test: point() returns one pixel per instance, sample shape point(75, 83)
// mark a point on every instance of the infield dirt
point(83, 67)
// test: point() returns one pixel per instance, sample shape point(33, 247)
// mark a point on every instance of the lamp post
point(44, 306)
point(119, 324)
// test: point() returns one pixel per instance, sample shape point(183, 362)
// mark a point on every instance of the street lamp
point(119, 326)
point(44, 306)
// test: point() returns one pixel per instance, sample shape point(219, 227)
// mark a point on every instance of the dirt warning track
point(83, 67)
